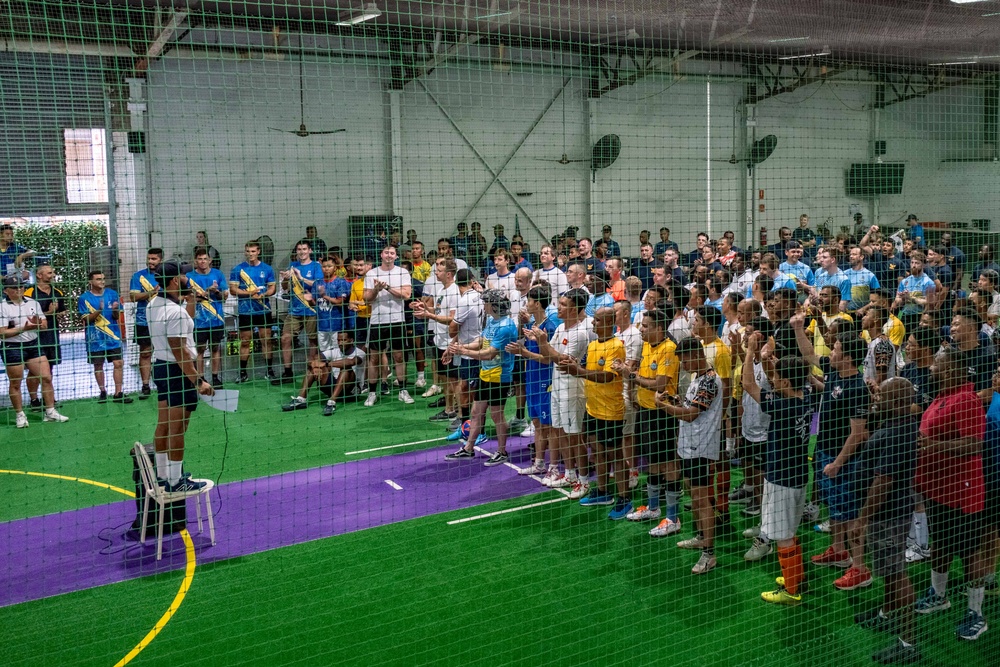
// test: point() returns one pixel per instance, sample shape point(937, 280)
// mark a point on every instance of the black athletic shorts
point(698, 472)
point(49, 341)
point(518, 374)
point(18, 354)
point(142, 337)
point(954, 532)
point(255, 321)
point(173, 386)
point(607, 433)
point(212, 336)
point(450, 371)
point(387, 337)
point(494, 393)
point(656, 435)
point(100, 356)
point(750, 452)
point(361, 331)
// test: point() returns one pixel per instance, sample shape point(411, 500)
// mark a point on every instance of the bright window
point(86, 166)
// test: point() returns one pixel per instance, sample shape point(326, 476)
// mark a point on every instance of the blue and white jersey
point(103, 333)
point(208, 288)
point(142, 281)
point(252, 278)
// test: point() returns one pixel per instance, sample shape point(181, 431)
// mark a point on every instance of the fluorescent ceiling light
point(787, 39)
point(824, 52)
point(355, 17)
point(966, 2)
point(992, 14)
point(957, 62)
point(493, 16)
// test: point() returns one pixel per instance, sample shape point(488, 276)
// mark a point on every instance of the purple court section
point(70, 551)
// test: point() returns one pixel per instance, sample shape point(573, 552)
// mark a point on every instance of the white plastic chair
point(162, 497)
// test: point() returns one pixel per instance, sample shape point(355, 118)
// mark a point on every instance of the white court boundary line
point(508, 510)
point(403, 444)
point(393, 485)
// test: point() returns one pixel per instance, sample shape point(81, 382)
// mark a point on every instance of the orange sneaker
point(852, 579)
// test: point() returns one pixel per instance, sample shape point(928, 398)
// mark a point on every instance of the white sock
point(161, 465)
point(976, 596)
point(331, 402)
point(50, 411)
point(920, 528)
point(174, 471)
point(571, 474)
point(939, 582)
point(420, 375)
point(539, 463)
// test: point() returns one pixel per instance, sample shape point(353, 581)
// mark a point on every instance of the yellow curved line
point(117, 489)
point(188, 569)
point(181, 592)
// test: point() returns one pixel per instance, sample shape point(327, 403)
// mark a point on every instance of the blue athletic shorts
point(842, 494)
point(539, 404)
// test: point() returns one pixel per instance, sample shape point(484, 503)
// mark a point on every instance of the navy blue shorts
point(18, 354)
point(539, 404)
point(173, 386)
point(468, 369)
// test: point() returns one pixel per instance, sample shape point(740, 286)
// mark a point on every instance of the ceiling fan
point(565, 158)
point(302, 131)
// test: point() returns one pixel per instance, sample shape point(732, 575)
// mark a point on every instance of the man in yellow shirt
point(826, 311)
point(605, 412)
point(363, 312)
point(656, 432)
point(421, 267)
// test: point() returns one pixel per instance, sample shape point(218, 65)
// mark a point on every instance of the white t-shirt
point(518, 301)
point(881, 350)
point(556, 280)
point(496, 281)
point(633, 343)
point(387, 309)
point(336, 354)
point(17, 315)
point(574, 342)
point(755, 421)
point(700, 438)
point(469, 316)
point(445, 302)
point(167, 319)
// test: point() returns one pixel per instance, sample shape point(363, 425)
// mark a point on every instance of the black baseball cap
point(911, 217)
point(166, 271)
point(606, 228)
point(12, 281)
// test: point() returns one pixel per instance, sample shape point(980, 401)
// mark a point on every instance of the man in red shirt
point(950, 476)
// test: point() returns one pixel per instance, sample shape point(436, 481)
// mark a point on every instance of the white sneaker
point(666, 527)
point(751, 533)
point(433, 391)
point(557, 480)
point(643, 513)
point(810, 513)
point(53, 416)
point(533, 469)
point(370, 401)
point(551, 473)
point(915, 553)
point(420, 383)
point(580, 489)
point(405, 397)
point(633, 478)
point(529, 432)
point(22, 420)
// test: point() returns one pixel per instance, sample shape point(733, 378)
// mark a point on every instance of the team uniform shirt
point(388, 309)
point(8, 256)
point(505, 282)
point(838, 280)
point(955, 481)
point(169, 320)
point(819, 344)
point(17, 315)
point(333, 316)
point(336, 354)
point(522, 263)
point(786, 462)
point(364, 311)
point(518, 302)
point(498, 333)
point(422, 271)
point(446, 300)
point(572, 341)
point(644, 271)
point(700, 438)
point(799, 271)
point(844, 399)
point(863, 282)
point(538, 375)
point(49, 336)
point(921, 285)
point(604, 399)
point(656, 361)
point(468, 316)
point(946, 277)
point(556, 280)
point(892, 452)
point(662, 247)
point(598, 301)
point(210, 313)
point(104, 333)
point(613, 249)
point(780, 280)
point(922, 382)
point(881, 357)
point(252, 279)
point(982, 362)
point(717, 354)
point(756, 421)
point(142, 281)
point(299, 305)
point(895, 330)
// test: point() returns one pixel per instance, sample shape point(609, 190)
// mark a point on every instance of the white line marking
point(402, 444)
point(507, 511)
point(393, 485)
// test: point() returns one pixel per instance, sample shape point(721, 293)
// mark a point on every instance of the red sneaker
point(830, 558)
point(852, 579)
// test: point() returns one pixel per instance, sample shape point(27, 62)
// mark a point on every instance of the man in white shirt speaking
point(169, 315)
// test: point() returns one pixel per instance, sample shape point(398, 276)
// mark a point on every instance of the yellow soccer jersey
point(604, 399)
point(659, 360)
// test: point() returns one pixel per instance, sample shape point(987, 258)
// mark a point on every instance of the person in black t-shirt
point(891, 457)
point(966, 335)
point(781, 304)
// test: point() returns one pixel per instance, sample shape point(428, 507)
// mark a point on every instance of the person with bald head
point(523, 278)
point(890, 459)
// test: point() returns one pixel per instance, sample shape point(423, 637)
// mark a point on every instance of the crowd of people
point(687, 365)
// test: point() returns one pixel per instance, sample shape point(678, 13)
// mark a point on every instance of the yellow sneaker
point(781, 596)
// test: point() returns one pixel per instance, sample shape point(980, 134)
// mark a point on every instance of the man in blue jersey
point(331, 294)
point(830, 274)
point(98, 308)
point(253, 282)
point(211, 291)
point(141, 289)
point(297, 282)
point(12, 255)
point(795, 268)
point(496, 367)
point(664, 244)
